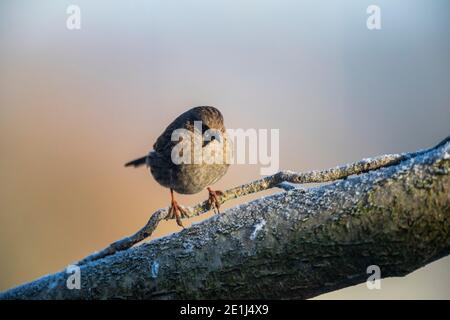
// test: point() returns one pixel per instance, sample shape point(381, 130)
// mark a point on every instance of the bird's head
point(212, 122)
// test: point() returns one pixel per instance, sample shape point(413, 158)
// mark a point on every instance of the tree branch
point(279, 180)
point(294, 244)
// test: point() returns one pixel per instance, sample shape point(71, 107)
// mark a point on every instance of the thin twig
point(280, 180)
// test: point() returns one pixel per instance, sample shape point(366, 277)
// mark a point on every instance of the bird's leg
point(213, 199)
point(176, 211)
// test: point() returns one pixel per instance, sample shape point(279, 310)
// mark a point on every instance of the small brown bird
point(202, 166)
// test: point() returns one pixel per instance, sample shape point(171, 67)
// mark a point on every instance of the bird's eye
point(205, 128)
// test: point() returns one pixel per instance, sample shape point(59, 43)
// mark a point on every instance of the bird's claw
point(213, 199)
point(177, 212)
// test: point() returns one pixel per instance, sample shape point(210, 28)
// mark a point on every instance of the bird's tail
point(137, 162)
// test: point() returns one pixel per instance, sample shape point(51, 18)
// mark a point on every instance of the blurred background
point(75, 105)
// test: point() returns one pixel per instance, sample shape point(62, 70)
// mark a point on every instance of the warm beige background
point(75, 105)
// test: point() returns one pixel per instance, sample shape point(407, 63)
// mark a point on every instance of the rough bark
point(294, 244)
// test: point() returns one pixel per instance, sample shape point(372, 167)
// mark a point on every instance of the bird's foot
point(213, 199)
point(177, 212)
